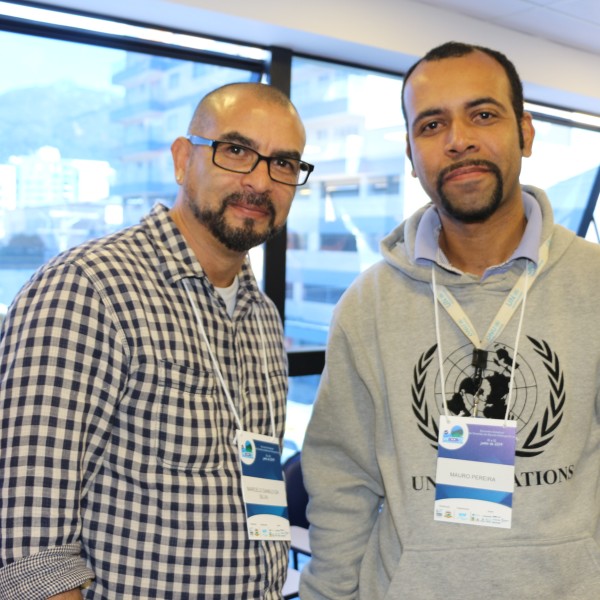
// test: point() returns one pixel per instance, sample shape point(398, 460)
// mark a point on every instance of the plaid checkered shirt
point(117, 464)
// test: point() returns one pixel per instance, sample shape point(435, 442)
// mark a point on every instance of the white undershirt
point(229, 295)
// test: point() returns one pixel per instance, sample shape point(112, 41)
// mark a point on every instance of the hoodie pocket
point(566, 569)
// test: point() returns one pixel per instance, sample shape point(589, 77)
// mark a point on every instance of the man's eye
point(486, 115)
point(429, 127)
point(284, 164)
point(235, 150)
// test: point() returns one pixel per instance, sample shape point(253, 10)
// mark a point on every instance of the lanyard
point(217, 368)
point(518, 295)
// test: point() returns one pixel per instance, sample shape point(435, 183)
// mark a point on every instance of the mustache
point(260, 200)
point(473, 162)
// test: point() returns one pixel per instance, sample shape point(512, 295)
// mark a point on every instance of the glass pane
point(302, 392)
point(85, 142)
point(360, 190)
point(593, 231)
point(564, 162)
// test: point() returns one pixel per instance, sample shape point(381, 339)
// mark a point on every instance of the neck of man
point(475, 247)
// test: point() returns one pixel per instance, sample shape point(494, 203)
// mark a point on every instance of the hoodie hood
point(398, 248)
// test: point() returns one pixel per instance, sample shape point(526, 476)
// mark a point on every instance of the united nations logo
point(486, 393)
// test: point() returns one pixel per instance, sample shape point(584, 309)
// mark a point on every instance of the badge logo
point(248, 452)
point(455, 436)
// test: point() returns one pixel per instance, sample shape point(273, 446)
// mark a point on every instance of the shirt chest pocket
point(190, 427)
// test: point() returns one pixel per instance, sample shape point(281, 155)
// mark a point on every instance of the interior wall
point(389, 34)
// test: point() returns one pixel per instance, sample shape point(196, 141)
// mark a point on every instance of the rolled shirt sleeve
point(45, 574)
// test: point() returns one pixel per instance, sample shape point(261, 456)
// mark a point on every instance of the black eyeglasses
point(241, 159)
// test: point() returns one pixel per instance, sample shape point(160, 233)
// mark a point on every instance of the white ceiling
point(574, 23)
point(562, 70)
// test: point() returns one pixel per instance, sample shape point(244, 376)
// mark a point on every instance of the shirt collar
point(177, 258)
point(427, 248)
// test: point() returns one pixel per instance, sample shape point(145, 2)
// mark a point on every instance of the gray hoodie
point(369, 457)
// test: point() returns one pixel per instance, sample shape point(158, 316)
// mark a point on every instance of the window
point(85, 141)
point(565, 163)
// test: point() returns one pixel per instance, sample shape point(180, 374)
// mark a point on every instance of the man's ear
point(180, 151)
point(528, 133)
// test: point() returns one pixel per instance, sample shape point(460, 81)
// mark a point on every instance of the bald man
point(131, 366)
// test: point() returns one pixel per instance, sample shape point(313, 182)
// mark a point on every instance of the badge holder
point(475, 476)
point(263, 487)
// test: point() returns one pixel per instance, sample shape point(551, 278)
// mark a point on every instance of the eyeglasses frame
point(197, 140)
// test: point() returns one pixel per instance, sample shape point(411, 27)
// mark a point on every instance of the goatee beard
point(478, 214)
point(239, 239)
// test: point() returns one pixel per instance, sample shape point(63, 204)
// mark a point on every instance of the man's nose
point(461, 138)
point(259, 178)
